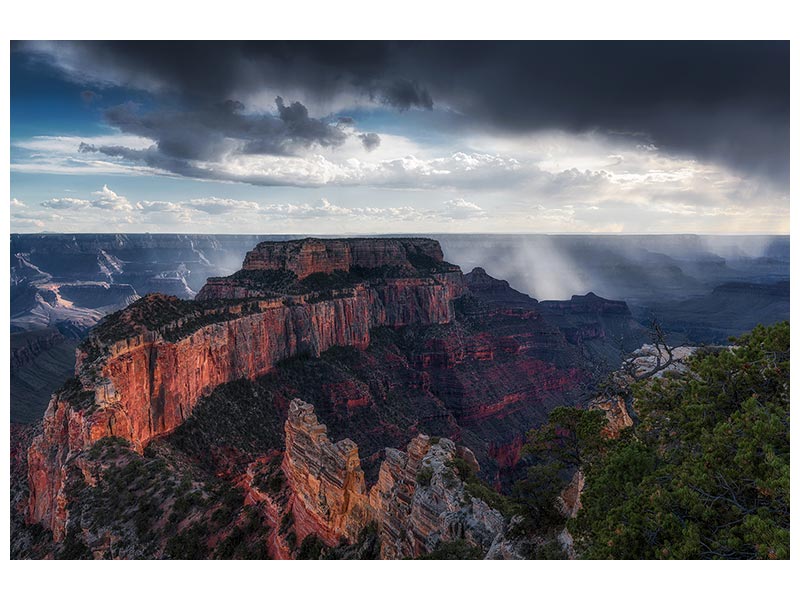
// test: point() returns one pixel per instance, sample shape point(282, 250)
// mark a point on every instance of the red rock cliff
point(143, 369)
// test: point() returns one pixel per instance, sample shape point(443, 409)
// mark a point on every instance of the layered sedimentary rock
point(304, 257)
point(143, 369)
point(330, 497)
point(97, 294)
point(418, 501)
point(71, 308)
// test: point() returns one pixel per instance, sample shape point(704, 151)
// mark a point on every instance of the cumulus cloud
point(108, 199)
point(529, 185)
point(148, 206)
point(313, 170)
point(462, 209)
point(248, 213)
point(659, 204)
point(104, 199)
point(66, 203)
point(17, 203)
point(27, 222)
point(325, 209)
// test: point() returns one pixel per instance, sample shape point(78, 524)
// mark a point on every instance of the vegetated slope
point(701, 472)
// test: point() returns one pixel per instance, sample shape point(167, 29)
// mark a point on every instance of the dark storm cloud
point(206, 132)
point(370, 141)
point(721, 101)
point(402, 94)
point(151, 157)
point(305, 130)
point(209, 133)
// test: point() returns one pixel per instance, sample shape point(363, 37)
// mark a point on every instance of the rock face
point(143, 369)
point(616, 413)
point(330, 498)
point(417, 502)
point(649, 357)
point(304, 257)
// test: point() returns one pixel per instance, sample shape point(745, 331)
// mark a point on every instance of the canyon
point(702, 289)
point(393, 346)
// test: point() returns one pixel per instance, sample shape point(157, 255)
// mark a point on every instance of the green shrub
point(424, 476)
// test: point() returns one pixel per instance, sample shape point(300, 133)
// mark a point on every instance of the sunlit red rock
point(414, 513)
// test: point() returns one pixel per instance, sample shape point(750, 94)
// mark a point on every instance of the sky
point(400, 137)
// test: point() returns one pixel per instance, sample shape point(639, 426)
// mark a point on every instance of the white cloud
point(218, 206)
point(563, 182)
point(27, 222)
point(66, 203)
point(60, 155)
point(204, 212)
point(67, 144)
point(411, 172)
point(104, 199)
point(17, 203)
point(462, 209)
point(158, 206)
point(326, 209)
point(61, 165)
point(108, 199)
